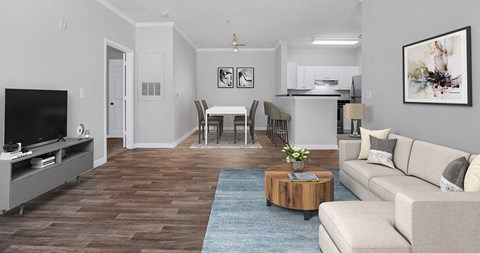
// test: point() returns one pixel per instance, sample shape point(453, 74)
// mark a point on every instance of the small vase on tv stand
point(298, 166)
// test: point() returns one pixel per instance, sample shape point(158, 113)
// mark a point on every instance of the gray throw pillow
point(453, 175)
point(381, 151)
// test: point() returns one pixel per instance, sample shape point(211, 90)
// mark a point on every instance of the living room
point(37, 54)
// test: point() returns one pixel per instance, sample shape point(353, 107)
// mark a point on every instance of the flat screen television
point(35, 117)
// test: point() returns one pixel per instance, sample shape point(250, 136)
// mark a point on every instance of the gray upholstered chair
point(201, 123)
point(240, 121)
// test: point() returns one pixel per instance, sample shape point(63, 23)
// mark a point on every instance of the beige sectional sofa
point(403, 209)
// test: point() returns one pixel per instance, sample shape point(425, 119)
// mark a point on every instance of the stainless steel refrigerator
point(356, 89)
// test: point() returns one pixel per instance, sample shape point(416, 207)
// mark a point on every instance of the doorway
point(118, 103)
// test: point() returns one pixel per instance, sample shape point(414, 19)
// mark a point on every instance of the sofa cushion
point(381, 151)
point(365, 135)
point(361, 226)
point(362, 171)
point(453, 175)
point(401, 154)
point(427, 160)
point(387, 187)
point(472, 178)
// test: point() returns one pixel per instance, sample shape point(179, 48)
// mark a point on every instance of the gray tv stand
point(19, 182)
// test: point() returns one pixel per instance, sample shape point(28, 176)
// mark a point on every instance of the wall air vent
point(151, 89)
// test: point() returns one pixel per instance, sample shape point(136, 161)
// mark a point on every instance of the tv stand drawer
point(27, 188)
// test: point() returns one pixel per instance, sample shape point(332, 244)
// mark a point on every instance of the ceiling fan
point(236, 44)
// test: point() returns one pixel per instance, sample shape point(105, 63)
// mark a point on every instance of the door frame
point(128, 96)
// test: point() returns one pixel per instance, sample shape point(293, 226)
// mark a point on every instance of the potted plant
point(296, 156)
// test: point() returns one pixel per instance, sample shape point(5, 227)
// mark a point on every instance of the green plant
point(296, 153)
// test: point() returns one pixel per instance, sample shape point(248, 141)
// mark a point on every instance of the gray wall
point(154, 62)
point(264, 71)
point(35, 53)
point(184, 75)
point(387, 25)
point(323, 56)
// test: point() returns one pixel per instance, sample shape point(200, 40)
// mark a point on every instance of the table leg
point(206, 128)
point(308, 214)
point(269, 203)
point(246, 141)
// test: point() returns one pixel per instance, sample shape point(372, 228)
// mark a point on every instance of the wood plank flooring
point(143, 200)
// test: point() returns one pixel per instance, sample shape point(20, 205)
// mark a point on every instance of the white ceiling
point(258, 23)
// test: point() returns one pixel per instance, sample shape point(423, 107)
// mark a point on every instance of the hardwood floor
point(143, 200)
point(114, 147)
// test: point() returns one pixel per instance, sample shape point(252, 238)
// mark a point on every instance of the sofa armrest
point(439, 221)
point(348, 150)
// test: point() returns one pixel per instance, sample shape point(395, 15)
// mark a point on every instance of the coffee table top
point(280, 172)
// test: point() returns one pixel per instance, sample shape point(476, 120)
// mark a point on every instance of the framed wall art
point(245, 77)
point(225, 77)
point(438, 70)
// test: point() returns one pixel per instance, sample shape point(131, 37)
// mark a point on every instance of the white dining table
point(225, 110)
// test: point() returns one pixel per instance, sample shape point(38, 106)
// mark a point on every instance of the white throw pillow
point(472, 178)
point(365, 135)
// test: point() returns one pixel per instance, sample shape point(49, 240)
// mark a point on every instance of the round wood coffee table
point(305, 196)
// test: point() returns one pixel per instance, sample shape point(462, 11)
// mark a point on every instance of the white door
point(115, 98)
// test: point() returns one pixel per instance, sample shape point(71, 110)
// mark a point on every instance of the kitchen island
point(314, 120)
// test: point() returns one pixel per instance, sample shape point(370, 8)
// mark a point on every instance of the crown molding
point(239, 50)
point(185, 37)
point(116, 11)
point(278, 44)
point(155, 24)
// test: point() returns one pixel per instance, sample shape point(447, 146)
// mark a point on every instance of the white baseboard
point(316, 146)
point(99, 162)
point(165, 145)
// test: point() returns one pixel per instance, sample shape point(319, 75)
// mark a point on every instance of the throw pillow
point(472, 177)
point(453, 175)
point(365, 135)
point(381, 151)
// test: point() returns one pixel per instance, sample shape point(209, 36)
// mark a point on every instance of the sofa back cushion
point(427, 160)
point(401, 153)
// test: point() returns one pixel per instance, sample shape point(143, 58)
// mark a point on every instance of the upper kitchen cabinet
point(292, 81)
point(326, 73)
point(345, 74)
point(305, 77)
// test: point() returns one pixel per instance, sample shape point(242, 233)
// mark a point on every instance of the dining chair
point(201, 123)
point(216, 117)
point(240, 121)
point(265, 110)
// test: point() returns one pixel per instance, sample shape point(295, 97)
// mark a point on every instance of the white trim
point(116, 11)
point(185, 136)
point(185, 36)
point(155, 24)
point(129, 82)
point(316, 146)
point(239, 50)
point(166, 145)
point(278, 44)
point(154, 145)
point(99, 162)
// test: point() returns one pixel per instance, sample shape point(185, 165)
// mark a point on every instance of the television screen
point(35, 117)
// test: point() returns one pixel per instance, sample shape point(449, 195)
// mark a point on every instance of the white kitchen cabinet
point(292, 79)
point(345, 74)
point(326, 73)
point(305, 77)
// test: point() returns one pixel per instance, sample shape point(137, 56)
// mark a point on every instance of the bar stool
point(279, 124)
point(265, 109)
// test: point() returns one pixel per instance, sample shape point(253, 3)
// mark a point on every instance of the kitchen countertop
point(309, 95)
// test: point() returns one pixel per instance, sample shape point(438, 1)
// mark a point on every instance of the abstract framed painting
point(245, 77)
point(225, 77)
point(438, 70)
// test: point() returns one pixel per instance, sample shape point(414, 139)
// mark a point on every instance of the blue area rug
point(240, 220)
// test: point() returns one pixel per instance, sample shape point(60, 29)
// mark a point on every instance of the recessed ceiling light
point(164, 14)
point(349, 41)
